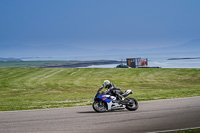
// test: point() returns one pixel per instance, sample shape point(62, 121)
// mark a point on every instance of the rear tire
point(132, 105)
point(99, 106)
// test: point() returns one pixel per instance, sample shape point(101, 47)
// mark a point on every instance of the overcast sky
point(98, 24)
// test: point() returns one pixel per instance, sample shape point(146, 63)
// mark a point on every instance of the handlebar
point(100, 89)
point(104, 92)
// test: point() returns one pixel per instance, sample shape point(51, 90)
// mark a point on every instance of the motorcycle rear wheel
point(132, 105)
point(99, 106)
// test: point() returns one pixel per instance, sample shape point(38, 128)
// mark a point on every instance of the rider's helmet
point(106, 83)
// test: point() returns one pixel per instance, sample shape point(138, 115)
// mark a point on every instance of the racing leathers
point(115, 91)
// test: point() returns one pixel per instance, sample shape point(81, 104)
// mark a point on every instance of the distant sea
point(154, 59)
point(162, 60)
point(163, 63)
point(182, 63)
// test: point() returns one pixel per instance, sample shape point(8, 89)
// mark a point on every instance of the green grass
point(38, 88)
point(186, 131)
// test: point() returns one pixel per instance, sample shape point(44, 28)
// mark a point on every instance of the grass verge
point(39, 88)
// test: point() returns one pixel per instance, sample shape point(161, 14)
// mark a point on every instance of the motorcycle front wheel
point(132, 104)
point(99, 106)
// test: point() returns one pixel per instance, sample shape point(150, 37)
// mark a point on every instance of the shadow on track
point(87, 112)
point(90, 112)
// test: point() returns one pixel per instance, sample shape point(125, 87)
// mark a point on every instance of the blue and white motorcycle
point(104, 101)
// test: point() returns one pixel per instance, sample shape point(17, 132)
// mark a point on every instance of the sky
point(50, 27)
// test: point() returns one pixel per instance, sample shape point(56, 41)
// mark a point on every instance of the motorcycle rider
point(115, 91)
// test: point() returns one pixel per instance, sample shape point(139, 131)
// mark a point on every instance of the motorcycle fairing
point(105, 99)
point(109, 102)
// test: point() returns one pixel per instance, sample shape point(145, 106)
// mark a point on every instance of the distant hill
point(65, 52)
point(10, 59)
point(191, 45)
point(56, 64)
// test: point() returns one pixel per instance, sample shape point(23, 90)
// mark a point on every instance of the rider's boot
point(120, 97)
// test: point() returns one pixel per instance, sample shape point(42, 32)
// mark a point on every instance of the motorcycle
point(104, 101)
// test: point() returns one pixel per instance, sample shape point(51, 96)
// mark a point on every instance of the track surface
point(151, 116)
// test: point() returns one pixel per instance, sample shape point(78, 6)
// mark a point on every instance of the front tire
point(132, 104)
point(99, 106)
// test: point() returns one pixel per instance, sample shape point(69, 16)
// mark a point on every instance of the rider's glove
point(105, 91)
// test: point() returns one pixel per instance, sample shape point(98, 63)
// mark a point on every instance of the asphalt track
point(151, 116)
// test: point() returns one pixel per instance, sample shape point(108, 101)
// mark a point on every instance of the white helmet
point(106, 83)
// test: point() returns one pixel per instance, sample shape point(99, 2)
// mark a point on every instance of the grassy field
point(38, 88)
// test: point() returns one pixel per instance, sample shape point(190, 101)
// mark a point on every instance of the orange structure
point(143, 63)
point(137, 62)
